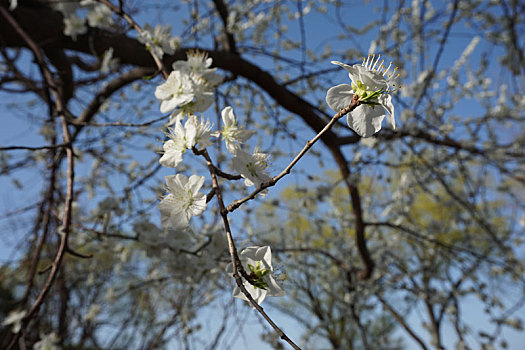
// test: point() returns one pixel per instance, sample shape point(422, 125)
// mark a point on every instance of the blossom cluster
point(188, 90)
point(98, 16)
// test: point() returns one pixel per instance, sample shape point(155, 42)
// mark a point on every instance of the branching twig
point(59, 109)
point(236, 204)
point(238, 270)
point(119, 11)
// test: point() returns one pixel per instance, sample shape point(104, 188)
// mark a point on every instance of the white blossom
point(257, 262)
point(108, 62)
point(100, 17)
point(176, 91)
point(189, 86)
point(202, 131)
point(65, 7)
point(183, 201)
point(47, 342)
point(159, 40)
point(232, 134)
point(14, 319)
point(371, 81)
point(198, 64)
point(181, 138)
point(73, 26)
point(251, 167)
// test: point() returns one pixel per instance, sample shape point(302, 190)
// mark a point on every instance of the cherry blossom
point(73, 26)
point(372, 82)
point(159, 40)
point(47, 342)
point(231, 133)
point(257, 261)
point(183, 201)
point(251, 167)
point(14, 319)
point(181, 138)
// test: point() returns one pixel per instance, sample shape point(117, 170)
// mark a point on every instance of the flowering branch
point(119, 11)
point(238, 269)
point(236, 204)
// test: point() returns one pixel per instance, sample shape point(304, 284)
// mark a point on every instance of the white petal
point(180, 66)
point(339, 97)
point(167, 106)
point(190, 132)
point(232, 147)
point(244, 135)
point(265, 254)
point(202, 101)
point(373, 80)
point(195, 183)
point(164, 91)
point(274, 289)
point(250, 253)
point(257, 294)
point(366, 120)
point(199, 205)
point(176, 183)
point(228, 118)
point(386, 102)
point(353, 71)
point(213, 79)
point(172, 156)
point(172, 216)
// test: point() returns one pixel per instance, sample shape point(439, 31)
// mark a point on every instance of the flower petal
point(274, 290)
point(373, 80)
point(339, 97)
point(172, 156)
point(171, 215)
point(199, 204)
point(386, 101)
point(195, 183)
point(365, 120)
point(228, 118)
point(353, 71)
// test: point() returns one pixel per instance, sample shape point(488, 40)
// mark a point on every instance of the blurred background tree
point(412, 238)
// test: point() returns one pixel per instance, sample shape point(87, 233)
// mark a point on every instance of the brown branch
point(402, 322)
point(120, 11)
point(114, 85)
point(238, 269)
point(236, 204)
point(36, 148)
point(229, 42)
point(70, 173)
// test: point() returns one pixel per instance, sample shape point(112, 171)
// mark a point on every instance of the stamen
point(378, 57)
point(381, 66)
point(394, 72)
point(386, 71)
point(367, 60)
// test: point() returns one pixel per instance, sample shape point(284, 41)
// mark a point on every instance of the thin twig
point(119, 11)
point(236, 204)
point(70, 172)
point(238, 270)
point(35, 148)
